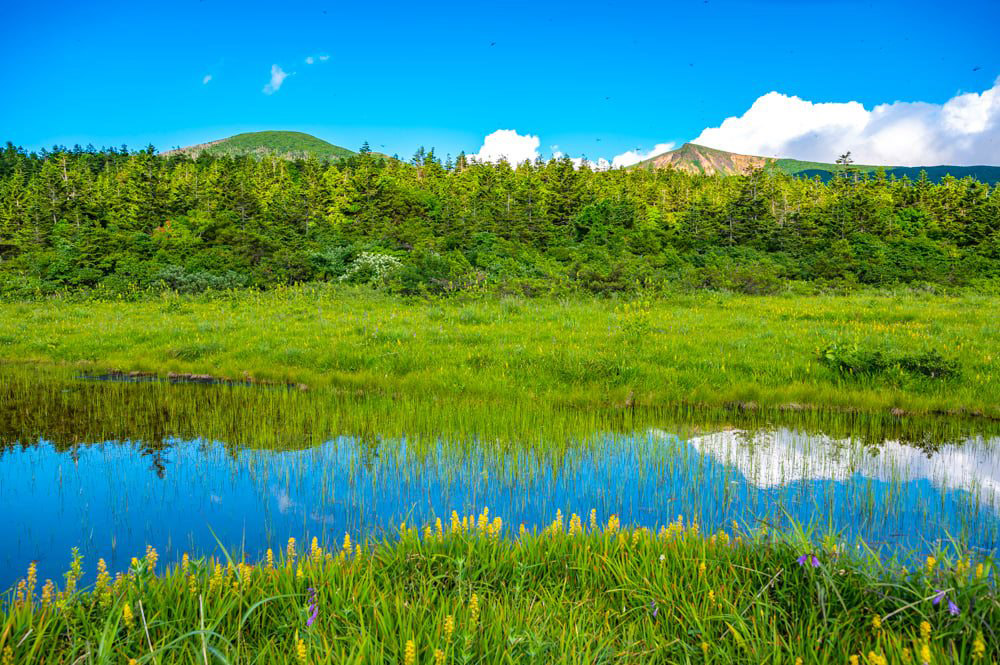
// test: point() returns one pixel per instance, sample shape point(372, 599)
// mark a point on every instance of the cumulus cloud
point(310, 60)
point(313, 59)
point(965, 130)
point(630, 157)
point(507, 144)
point(208, 77)
point(600, 164)
point(278, 77)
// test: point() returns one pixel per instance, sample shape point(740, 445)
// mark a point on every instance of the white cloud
point(600, 164)
point(310, 60)
point(278, 77)
point(324, 58)
point(208, 77)
point(965, 130)
point(507, 144)
point(630, 157)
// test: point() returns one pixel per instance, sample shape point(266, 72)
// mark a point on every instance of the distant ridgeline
point(231, 214)
point(695, 158)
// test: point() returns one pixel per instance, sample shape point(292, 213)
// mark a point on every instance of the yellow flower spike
point(925, 630)
point(270, 558)
point(854, 660)
point(473, 610)
point(925, 654)
point(798, 661)
point(449, 627)
point(978, 647)
point(704, 649)
point(711, 597)
point(357, 551)
point(438, 657)
point(185, 562)
point(877, 622)
point(300, 649)
point(702, 568)
point(47, 592)
point(593, 519)
point(456, 524)
point(410, 653)
point(290, 551)
point(8, 656)
point(151, 558)
point(906, 655)
point(979, 571)
point(428, 534)
point(127, 616)
point(931, 562)
point(315, 553)
point(439, 528)
point(523, 531)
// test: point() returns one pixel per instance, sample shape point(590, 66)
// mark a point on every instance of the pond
point(111, 496)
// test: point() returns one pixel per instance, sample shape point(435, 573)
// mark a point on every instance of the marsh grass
point(707, 350)
point(474, 589)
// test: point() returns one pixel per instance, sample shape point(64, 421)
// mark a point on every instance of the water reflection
point(111, 499)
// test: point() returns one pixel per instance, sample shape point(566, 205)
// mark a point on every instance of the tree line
point(120, 221)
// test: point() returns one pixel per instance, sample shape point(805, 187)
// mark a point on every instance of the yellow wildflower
point(315, 551)
point(593, 519)
point(47, 592)
point(456, 524)
point(270, 558)
point(473, 610)
point(613, 524)
point(127, 616)
point(300, 650)
point(978, 647)
point(877, 622)
point(925, 653)
point(290, 551)
point(439, 528)
point(931, 562)
point(449, 627)
point(702, 568)
point(428, 534)
point(438, 657)
point(347, 544)
point(925, 630)
point(906, 654)
point(854, 660)
point(151, 558)
point(185, 562)
point(711, 597)
point(8, 656)
point(979, 571)
point(798, 661)
point(876, 659)
point(704, 648)
point(410, 654)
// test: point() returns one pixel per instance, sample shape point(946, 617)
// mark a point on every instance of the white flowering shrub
point(372, 269)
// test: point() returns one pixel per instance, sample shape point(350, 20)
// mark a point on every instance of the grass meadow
point(706, 350)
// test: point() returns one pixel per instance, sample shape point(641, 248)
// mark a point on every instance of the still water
point(113, 498)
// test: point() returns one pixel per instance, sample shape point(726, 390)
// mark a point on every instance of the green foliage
point(116, 222)
point(851, 359)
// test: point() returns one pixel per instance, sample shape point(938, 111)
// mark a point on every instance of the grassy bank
point(706, 349)
point(461, 592)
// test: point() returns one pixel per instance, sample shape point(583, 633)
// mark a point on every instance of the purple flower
point(943, 595)
point(652, 605)
point(312, 607)
point(808, 560)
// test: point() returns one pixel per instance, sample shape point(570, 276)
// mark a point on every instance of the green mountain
point(290, 145)
point(694, 158)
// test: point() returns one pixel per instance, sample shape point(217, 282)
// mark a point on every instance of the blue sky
point(584, 78)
